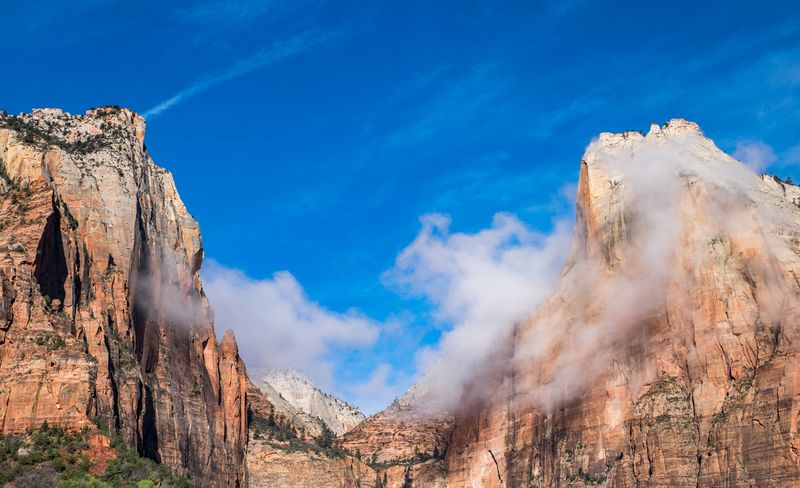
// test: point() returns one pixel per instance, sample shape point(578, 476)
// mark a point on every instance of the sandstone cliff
point(405, 443)
point(102, 314)
point(270, 467)
point(668, 353)
point(402, 432)
point(390, 449)
point(285, 450)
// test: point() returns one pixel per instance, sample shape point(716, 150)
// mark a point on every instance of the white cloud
point(277, 325)
point(480, 286)
point(756, 155)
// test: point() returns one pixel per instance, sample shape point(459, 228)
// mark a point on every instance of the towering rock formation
point(669, 351)
point(102, 314)
point(667, 355)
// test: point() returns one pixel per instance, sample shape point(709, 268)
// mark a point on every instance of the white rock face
point(296, 389)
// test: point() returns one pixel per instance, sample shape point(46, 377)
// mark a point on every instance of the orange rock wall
point(102, 313)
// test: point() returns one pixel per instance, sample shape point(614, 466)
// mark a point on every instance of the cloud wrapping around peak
point(278, 326)
point(480, 286)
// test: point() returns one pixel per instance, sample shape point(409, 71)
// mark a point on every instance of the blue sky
point(311, 137)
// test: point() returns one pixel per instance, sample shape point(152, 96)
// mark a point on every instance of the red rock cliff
point(102, 313)
point(669, 351)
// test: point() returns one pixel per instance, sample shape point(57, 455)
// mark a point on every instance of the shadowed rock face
point(667, 354)
point(102, 314)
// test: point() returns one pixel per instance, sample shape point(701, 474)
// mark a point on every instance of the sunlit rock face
point(401, 432)
point(305, 398)
point(102, 313)
point(667, 354)
point(271, 467)
point(406, 442)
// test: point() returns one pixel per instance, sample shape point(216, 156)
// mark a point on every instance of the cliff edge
point(103, 316)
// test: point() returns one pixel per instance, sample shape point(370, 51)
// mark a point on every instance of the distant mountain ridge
point(299, 392)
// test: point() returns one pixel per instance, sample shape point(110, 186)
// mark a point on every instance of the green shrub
point(52, 457)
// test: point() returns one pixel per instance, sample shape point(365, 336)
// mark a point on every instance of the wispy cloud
point(278, 325)
point(459, 104)
point(275, 53)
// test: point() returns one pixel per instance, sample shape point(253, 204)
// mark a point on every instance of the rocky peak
point(407, 433)
point(228, 344)
point(627, 178)
point(298, 390)
point(667, 353)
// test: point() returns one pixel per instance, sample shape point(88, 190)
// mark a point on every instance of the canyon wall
point(666, 355)
point(102, 314)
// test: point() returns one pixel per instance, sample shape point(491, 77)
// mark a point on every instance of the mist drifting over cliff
point(638, 200)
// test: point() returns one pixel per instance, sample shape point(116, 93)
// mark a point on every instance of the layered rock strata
point(102, 313)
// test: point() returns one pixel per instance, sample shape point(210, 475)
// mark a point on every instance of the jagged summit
point(674, 127)
point(298, 390)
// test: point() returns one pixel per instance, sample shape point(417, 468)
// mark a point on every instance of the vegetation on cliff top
point(46, 133)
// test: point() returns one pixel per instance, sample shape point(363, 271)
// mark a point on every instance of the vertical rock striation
point(669, 351)
point(667, 355)
point(102, 313)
